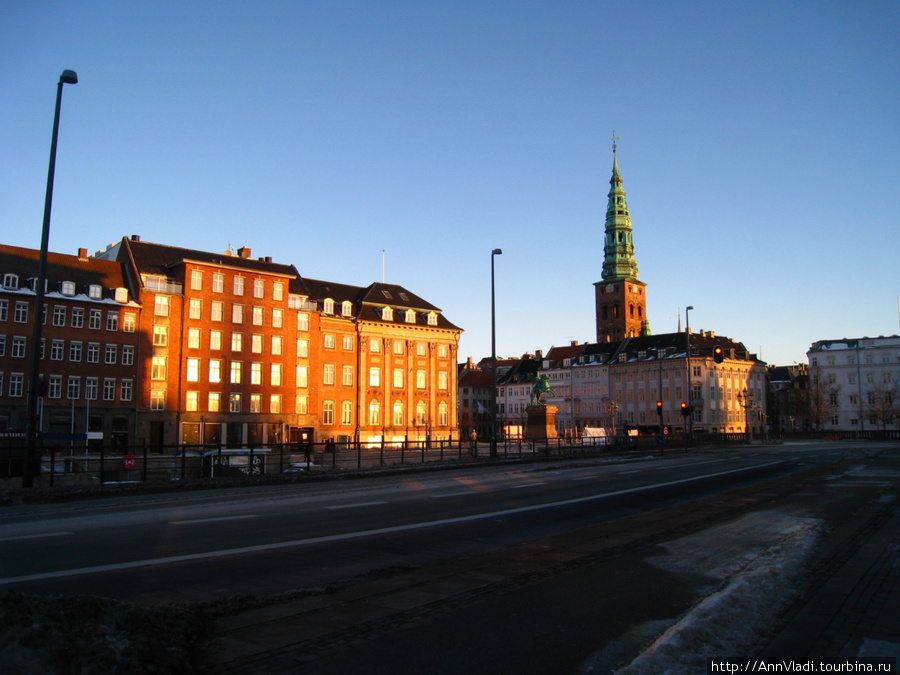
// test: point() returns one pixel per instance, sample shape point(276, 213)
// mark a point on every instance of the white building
point(858, 380)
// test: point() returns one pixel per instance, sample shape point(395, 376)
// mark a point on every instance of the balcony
point(160, 285)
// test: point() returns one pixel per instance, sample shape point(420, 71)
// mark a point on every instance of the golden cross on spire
point(615, 138)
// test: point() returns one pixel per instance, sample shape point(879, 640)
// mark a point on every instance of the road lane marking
point(38, 536)
point(453, 494)
point(212, 520)
point(353, 506)
point(347, 536)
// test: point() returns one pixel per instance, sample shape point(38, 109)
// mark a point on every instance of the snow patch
point(761, 560)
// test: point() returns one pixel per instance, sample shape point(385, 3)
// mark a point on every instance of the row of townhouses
point(145, 342)
point(644, 384)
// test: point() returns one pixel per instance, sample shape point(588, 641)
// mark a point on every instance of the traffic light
point(718, 354)
point(685, 411)
point(659, 408)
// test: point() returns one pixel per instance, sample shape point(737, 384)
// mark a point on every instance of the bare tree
point(882, 404)
point(823, 400)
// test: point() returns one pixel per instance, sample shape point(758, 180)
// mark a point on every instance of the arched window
point(443, 417)
point(397, 417)
point(605, 312)
point(374, 413)
point(631, 311)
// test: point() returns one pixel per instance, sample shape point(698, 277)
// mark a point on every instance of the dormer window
point(347, 308)
point(387, 314)
point(410, 316)
point(67, 288)
point(387, 294)
point(122, 295)
point(432, 319)
point(11, 281)
point(328, 306)
point(95, 292)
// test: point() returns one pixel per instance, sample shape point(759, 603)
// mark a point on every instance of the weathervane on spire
point(615, 138)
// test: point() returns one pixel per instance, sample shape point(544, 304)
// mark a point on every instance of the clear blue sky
point(759, 148)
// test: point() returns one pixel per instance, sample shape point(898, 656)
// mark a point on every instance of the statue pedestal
point(541, 422)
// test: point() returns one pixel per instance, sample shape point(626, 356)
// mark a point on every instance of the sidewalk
point(856, 612)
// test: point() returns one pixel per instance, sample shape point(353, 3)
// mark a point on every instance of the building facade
point(90, 361)
point(165, 345)
point(855, 383)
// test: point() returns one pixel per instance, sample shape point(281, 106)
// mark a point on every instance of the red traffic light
point(718, 354)
point(684, 409)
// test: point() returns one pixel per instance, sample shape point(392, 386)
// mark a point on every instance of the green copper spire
point(618, 250)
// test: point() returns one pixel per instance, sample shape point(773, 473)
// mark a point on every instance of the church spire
point(618, 251)
point(620, 300)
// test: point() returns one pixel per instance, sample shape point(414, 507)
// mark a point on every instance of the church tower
point(621, 301)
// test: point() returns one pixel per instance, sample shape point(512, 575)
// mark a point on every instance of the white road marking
point(212, 520)
point(38, 536)
point(353, 506)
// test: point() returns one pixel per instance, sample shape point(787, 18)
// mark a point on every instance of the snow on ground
point(755, 567)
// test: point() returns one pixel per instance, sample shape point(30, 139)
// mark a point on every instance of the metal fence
point(99, 464)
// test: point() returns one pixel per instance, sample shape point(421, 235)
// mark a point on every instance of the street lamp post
point(495, 252)
point(67, 77)
point(612, 409)
point(689, 393)
point(745, 399)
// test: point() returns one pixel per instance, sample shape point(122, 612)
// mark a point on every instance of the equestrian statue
point(541, 386)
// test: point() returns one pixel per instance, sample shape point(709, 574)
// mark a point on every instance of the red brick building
point(90, 363)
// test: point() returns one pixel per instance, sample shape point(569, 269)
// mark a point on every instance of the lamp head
point(689, 307)
point(69, 77)
point(496, 251)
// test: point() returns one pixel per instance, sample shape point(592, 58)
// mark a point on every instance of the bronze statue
point(541, 386)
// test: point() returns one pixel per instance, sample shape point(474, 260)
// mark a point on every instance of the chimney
point(244, 252)
point(82, 253)
point(135, 237)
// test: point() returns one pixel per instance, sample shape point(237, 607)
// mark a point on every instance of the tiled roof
point(160, 259)
point(62, 267)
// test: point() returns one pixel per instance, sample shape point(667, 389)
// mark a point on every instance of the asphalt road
point(210, 545)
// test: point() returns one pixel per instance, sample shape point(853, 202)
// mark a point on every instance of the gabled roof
point(368, 302)
point(162, 260)
point(474, 378)
point(557, 355)
point(522, 371)
point(318, 290)
point(61, 267)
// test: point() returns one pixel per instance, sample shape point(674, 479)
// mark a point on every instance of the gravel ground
point(84, 635)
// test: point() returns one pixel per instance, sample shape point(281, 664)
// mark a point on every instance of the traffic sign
point(129, 462)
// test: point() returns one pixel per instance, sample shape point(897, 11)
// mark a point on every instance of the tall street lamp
point(495, 252)
point(745, 400)
point(67, 77)
point(690, 402)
